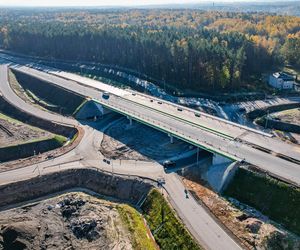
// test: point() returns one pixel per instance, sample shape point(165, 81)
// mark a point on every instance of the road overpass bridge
point(221, 137)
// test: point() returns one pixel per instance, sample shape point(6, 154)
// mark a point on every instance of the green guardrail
point(209, 149)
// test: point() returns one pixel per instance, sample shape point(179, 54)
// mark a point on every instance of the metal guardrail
point(205, 145)
point(204, 114)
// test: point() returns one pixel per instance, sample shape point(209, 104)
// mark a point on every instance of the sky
point(102, 2)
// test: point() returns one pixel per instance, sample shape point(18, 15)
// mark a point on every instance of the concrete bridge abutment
point(91, 110)
point(219, 159)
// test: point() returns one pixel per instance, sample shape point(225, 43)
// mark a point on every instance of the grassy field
point(167, 229)
point(289, 116)
point(137, 228)
point(279, 201)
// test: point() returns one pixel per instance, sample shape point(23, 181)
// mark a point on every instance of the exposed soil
point(139, 142)
point(252, 228)
point(42, 157)
point(70, 221)
point(291, 116)
point(14, 132)
point(42, 94)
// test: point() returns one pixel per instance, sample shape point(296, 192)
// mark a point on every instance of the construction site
point(93, 209)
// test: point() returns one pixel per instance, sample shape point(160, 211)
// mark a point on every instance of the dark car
point(105, 95)
point(242, 109)
point(49, 157)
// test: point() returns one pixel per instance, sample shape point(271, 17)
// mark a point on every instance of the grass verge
point(135, 225)
point(273, 198)
point(79, 107)
point(166, 227)
point(60, 139)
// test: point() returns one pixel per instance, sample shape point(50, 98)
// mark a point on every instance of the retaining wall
point(27, 149)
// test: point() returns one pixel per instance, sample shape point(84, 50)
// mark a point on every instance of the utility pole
point(162, 208)
point(266, 125)
point(38, 169)
point(197, 156)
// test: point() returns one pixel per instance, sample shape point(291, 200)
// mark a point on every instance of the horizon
point(119, 3)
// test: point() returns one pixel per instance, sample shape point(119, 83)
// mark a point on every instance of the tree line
point(196, 50)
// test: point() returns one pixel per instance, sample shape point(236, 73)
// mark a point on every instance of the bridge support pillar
point(171, 138)
point(219, 159)
point(130, 120)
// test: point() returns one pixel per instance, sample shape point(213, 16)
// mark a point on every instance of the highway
point(86, 155)
point(211, 133)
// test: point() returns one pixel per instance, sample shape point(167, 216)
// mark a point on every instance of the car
point(105, 95)
point(197, 115)
point(169, 164)
point(161, 181)
point(179, 109)
point(134, 94)
point(49, 157)
point(151, 100)
point(106, 161)
point(159, 102)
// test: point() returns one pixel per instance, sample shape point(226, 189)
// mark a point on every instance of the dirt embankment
point(288, 127)
point(69, 221)
point(11, 111)
point(44, 94)
point(272, 109)
point(291, 116)
point(130, 189)
point(20, 163)
point(21, 151)
point(59, 129)
point(14, 132)
point(19, 140)
point(250, 227)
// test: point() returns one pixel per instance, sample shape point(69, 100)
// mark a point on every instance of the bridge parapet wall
point(219, 159)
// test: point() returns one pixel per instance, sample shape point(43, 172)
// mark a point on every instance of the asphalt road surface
point(199, 221)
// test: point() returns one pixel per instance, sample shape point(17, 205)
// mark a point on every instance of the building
point(281, 80)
